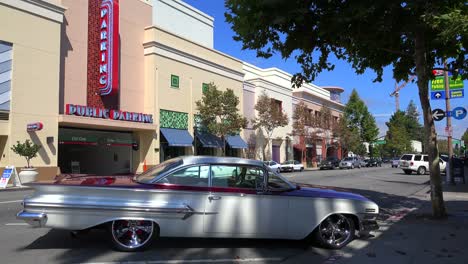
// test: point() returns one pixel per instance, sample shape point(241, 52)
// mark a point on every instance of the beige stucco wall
point(35, 82)
point(224, 71)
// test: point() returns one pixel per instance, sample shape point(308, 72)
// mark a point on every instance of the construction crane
point(396, 92)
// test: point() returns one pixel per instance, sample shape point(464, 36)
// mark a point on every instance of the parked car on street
point(363, 162)
point(395, 162)
point(291, 165)
point(418, 163)
point(350, 163)
point(244, 199)
point(374, 162)
point(329, 163)
point(273, 165)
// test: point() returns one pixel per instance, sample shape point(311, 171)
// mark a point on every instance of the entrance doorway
point(96, 152)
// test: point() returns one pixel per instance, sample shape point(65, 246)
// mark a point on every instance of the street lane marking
point(16, 224)
point(15, 201)
point(182, 261)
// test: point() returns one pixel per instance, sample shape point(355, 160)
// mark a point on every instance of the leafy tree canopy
point(219, 112)
point(269, 115)
point(398, 140)
point(413, 37)
point(360, 119)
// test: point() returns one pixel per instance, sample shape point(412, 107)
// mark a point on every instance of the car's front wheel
point(132, 235)
point(335, 232)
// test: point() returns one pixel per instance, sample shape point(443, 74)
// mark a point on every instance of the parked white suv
point(418, 163)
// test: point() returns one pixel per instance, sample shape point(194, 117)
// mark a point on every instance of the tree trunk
point(438, 206)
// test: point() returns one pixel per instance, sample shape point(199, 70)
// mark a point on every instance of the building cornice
point(41, 8)
point(191, 42)
point(156, 48)
point(332, 104)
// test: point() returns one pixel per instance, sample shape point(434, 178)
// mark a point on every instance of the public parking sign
point(459, 113)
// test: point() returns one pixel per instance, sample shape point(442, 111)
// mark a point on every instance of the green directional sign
point(380, 142)
point(438, 83)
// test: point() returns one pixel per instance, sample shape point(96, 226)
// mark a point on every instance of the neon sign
point(88, 111)
point(109, 47)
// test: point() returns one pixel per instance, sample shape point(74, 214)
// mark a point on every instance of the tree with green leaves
point(27, 150)
point(413, 37)
point(465, 139)
point(303, 127)
point(414, 128)
point(269, 116)
point(360, 120)
point(219, 113)
point(348, 136)
point(398, 139)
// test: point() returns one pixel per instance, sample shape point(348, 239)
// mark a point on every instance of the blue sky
point(376, 95)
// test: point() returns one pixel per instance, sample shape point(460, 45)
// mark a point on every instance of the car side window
point(230, 176)
point(426, 158)
point(190, 176)
point(417, 157)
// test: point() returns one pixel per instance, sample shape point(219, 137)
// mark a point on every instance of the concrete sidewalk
point(418, 238)
point(415, 237)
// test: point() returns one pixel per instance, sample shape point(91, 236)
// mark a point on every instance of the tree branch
point(396, 52)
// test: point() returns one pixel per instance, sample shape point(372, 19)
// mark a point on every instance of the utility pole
point(448, 169)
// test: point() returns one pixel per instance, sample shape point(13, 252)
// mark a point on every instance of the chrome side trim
point(186, 210)
point(34, 219)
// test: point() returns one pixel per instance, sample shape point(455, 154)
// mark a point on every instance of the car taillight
point(411, 163)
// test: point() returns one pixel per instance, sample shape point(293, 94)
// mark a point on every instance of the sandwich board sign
point(8, 173)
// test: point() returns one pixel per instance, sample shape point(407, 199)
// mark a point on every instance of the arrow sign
point(438, 114)
point(438, 95)
point(459, 113)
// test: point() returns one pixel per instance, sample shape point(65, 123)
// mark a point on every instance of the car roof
point(188, 160)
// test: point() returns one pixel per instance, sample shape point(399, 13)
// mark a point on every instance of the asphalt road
point(390, 188)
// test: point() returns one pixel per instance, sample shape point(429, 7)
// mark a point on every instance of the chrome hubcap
point(132, 233)
point(335, 230)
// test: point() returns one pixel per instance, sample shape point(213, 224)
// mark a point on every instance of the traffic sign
point(438, 84)
point(438, 95)
point(380, 142)
point(457, 94)
point(459, 113)
point(438, 114)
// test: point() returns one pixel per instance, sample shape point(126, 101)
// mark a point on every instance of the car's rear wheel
point(132, 235)
point(421, 170)
point(335, 232)
point(407, 172)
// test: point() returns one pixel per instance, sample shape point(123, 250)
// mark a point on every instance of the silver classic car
point(199, 197)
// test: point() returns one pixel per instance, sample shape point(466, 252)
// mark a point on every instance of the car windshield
point(151, 174)
point(288, 162)
point(276, 182)
point(348, 159)
point(331, 158)
point(444, 158)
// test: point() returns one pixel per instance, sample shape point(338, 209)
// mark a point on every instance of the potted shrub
point(28, 150)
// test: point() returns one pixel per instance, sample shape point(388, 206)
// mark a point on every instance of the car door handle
point(214, 197)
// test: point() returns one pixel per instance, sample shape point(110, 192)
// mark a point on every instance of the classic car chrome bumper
point(34, 219)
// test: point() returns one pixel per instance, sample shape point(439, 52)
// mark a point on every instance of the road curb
point(15, 189)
